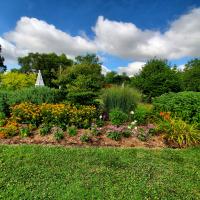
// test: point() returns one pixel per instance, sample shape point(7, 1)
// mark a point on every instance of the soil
point(99, 141)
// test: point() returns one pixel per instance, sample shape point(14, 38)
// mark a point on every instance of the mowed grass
point(41, 172)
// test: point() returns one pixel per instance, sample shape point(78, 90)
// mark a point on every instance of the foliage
point(123, 98)
point(35, 95)
point(16, 81)
point(117, 117)
point(51, 65)
point(142, 114)
point(177, 131)
point(72, 131)
point(26, 113)
point(85, 138)
point(45, 129)
point(24, 132)
point(2, 66)
point(185, 105)
point(191, 75)
point(57, 114)
point(126, 133)
point(10, 129)
point(83, 80)
point(59, 135)
point(157, 78)
point(114, 135)
point(114, 78)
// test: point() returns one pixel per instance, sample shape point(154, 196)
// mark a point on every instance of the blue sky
point(81, 18)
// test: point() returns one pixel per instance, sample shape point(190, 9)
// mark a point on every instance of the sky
point(123, 33)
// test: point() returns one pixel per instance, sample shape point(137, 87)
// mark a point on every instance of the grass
point(41, 172)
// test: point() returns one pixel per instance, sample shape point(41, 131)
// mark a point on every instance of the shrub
point(142, 113)
point(59, 135)
point(118, 117)
point(114, 135)
point(72, 131)
point(123, 98)
point(10, 129)
point(85, 138)
point(177, 131)
point(45, 129)
point(24, 132)
point(4, 105)
point(185, 105)
point(56, 114)
point(36, 95)
point(15, 80)
point(26, 113)
point(126, 133)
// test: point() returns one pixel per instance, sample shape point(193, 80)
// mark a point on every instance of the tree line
point(82, 79)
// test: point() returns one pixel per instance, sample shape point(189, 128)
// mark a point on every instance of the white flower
point(135, 128)
point(100, 117)
point(133, 123)
point(132, 112)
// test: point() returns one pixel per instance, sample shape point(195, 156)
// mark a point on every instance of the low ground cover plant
point(118, 117)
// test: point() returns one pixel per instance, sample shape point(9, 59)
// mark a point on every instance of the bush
point(123, 98)
point(177, 131)
point(85, 138)
point(142, 114)
point(10, 129)
point(59, 135)
point(114, 135)
point(45, 129)
point(36, 95)
point(185, 105)
point(72, 131)
point(117, 117)
point(56, 114)
point(24, 132)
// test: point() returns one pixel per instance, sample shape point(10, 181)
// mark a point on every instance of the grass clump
point(123, 98)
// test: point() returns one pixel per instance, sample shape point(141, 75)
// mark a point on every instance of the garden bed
point(94, 140)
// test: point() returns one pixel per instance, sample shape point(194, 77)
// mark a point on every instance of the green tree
point(191, 75)
point(83, 80)
point(49, 64)
point(157, 78)
point(15, 80)
point(2, 66)
point(114, 78)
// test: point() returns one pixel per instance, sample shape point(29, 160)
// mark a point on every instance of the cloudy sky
point(123, 33)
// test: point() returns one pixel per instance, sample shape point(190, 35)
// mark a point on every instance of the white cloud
point(132, 68)
point(128, 41)
point(181, 67)
point(104, 70)
point(33, 35)
point(121, 39)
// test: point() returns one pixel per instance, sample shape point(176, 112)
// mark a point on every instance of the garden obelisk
point(39, 81)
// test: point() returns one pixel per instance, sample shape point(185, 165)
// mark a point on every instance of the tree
point(49, 64)
point(114, 78)
point(191, 75)
point(15, 80)
point(157, 78)
point(3, 68)
point(83, 80)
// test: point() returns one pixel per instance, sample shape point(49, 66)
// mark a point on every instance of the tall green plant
point(123, 98)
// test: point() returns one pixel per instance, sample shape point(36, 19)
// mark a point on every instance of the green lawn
point(41, 172)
